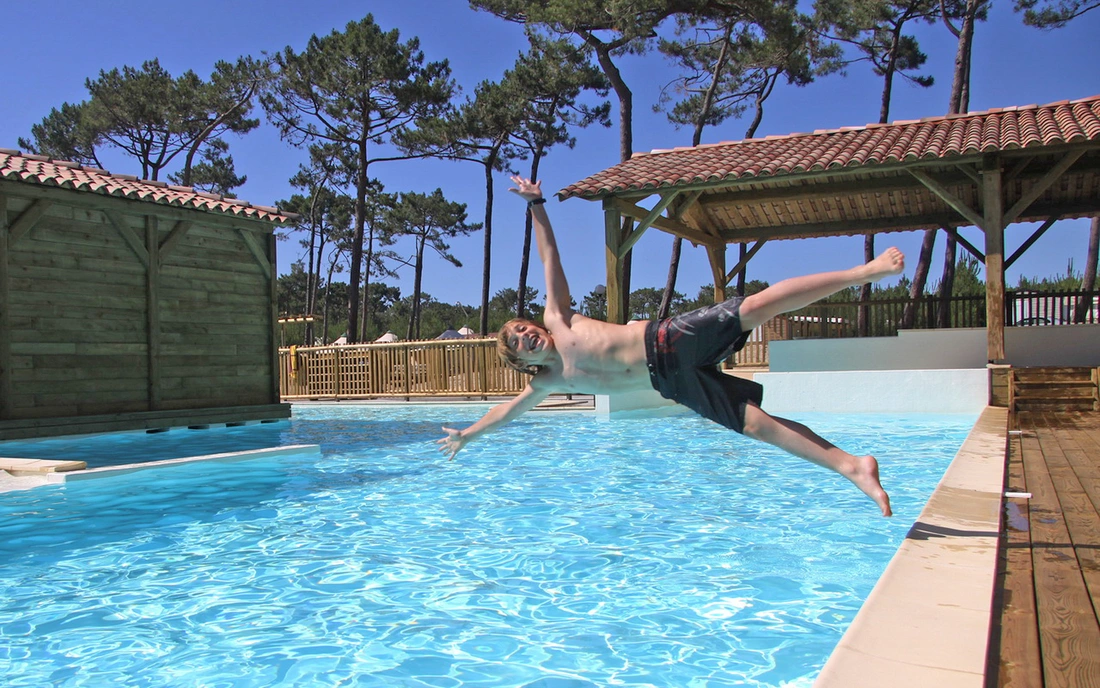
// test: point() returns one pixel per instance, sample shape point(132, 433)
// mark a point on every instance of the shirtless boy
point(678, 356)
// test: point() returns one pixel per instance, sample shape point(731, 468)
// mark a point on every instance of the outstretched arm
point(557, 289)
point(499, 415)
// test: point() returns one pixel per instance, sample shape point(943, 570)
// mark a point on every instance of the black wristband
point(536, 201)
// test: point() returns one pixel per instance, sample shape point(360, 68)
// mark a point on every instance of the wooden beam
point(612, 227)
point(1031, 240)
point(1041, 186)
point(717, 258)
point(665, 224)
point(961, 240)
point(173, 238)
point(823, 189)
point(5, 314)
point(27, 220)
point(686, 201)
point(969, 171)
point(257, 252)
point(152, 312)
point(1017, 169)
point(646, 222)
point(128, 236)
point(993, 224)
point(745, 261)
point(947, 197)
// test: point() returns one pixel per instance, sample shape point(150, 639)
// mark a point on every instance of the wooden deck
point(1045, 629)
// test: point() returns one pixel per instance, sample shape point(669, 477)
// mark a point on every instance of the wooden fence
point(446, 368)
point(471, 367)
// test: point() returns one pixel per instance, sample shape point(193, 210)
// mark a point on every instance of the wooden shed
point(129, 304)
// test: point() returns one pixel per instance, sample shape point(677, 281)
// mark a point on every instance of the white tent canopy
point(388, 337)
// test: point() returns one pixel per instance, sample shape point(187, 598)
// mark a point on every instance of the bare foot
point(866, 479)
point(889, 262)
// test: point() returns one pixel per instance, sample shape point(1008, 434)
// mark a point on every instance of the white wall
point(919, 371)
point(876, 391)
point(1055, 345)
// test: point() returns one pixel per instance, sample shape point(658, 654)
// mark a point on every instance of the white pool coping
point(927, 620)
point(228, 457)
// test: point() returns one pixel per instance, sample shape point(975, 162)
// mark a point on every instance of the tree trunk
point(947, 283)
point(489, 162)
point(1084, 305)
point(920, 277)
point(670, 283)
point(418, 272)
point(863, 324)
point(357, 243)
point(525, 259)
point(742, 251)
point(958, 103)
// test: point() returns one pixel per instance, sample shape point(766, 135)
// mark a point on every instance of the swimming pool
point(568, 550)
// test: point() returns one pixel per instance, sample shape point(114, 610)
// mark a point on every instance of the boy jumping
point(678, 356)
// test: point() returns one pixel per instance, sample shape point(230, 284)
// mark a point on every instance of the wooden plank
point(1031, 240)
point(54, 232)
point(70, 302)
point(128, 235)
point(1079, 495)
point(273, 324)
point(1017, 660)
point(257, 252)
point(174, 237)
point(27, 220)
point(968, 213)
point(84, 260)
point(152, 312)
point(1042, 185)
point(5, 313)
point(1067, 634)
point(60, 281)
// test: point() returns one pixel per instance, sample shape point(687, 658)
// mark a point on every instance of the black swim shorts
point(683, 353)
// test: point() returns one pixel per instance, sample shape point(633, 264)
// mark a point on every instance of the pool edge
point(228, 457)
point(926, 622)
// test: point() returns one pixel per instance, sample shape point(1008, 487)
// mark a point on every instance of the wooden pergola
point(985, 169)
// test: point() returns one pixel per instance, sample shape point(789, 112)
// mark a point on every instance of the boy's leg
point(798, 292)
point(799, 440)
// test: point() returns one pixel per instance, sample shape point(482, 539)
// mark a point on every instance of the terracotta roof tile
point(931, 138)
point(38, 169)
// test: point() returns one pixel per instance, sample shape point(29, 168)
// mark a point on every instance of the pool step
point(1055, 389)
point(24, 467)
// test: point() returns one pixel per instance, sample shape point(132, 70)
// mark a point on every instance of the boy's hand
point(452, 443)
point(526, 189)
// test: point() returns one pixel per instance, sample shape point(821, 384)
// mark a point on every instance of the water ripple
point(623, 552)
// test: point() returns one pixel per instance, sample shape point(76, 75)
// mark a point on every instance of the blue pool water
point(566, 550)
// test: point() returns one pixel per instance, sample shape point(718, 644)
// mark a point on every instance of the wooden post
point(273, 311)
point(152, 311)
point(993, 224)
point(6, 386)
point(717, 257)
point(612, 226)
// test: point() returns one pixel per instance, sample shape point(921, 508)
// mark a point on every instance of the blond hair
point(509, 355)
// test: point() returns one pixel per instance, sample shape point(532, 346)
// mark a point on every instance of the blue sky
point(51, 48)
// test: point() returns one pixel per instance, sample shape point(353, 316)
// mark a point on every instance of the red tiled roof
point(1070, 121)
point(38, 169)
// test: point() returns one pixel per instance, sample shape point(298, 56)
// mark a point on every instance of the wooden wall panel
point(80, 336)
